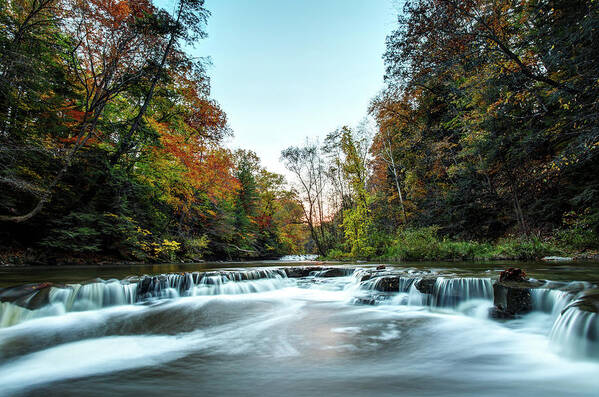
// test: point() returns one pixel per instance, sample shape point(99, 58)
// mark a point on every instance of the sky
point(284, 70)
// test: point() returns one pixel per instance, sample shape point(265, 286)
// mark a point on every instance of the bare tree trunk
point(518, 209)
point(391, 161)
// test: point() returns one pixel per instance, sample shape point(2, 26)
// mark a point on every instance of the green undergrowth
point(415, 244)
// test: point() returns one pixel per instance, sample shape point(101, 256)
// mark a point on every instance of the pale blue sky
point(283, 70)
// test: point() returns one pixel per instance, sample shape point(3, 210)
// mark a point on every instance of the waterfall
point(389, 284)
point(450, 292)
point(415, 297)
point(332, 272)
point(218, 285)
point(298, 258)
point(11, 314)
point(550, 300)
point(576, 332)
point(101, 294)
point(446, 292)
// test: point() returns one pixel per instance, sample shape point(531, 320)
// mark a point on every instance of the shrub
point(579, 234)
point(526, 248)
point(415, 244)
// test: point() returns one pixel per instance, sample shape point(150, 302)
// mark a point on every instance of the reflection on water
point(300, 337)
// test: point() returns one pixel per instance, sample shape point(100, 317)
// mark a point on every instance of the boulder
point(512, 298)
point(365, 276)
point(426, 285)
point(513, 274)
point(334, 272)
point(387, 284)
point(29, 296)
point(301, 271)
point(588, 301)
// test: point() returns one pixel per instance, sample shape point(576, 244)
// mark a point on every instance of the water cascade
point(575, 326)
point(450, 292)
point(576, 332)
point(218, 330)
point(56, 300)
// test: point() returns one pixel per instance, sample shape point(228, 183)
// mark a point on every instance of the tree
point(307, 165)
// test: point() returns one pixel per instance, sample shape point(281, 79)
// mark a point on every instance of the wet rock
point(512, 274)
point(366, 276)
point(387, 284)
point(29, 296)
point(587, 301)
point(187, 282)
point(426, 285)
point(366, 301)
point(500, 314)
point(150, 286)
point(334, 272)
point(513, 297)
point(380, 267)
point(304, 271)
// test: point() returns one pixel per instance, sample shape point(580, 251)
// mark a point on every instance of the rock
point(513, 297)
point(334, 272)
point(29, 296)
point(305, 271)
point(426, 285)
point(557, 258)
point(587, 301)
point(380, 267)
point(500, 314)
point(365, 301)
point(512, 274)
point(387, 284)
point(302, 271)
point(366, 276)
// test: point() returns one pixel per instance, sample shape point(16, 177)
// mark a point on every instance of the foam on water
point(102, 294)
point(240, 328)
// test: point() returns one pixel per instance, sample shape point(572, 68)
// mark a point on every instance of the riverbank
point(424, 244)
point(31, 257)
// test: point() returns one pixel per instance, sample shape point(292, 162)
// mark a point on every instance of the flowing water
point(256, 332)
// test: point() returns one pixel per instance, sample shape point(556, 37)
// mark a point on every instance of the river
point(256, 332)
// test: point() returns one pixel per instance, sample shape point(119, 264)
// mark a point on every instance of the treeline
point(111, 147)
point(487, 130)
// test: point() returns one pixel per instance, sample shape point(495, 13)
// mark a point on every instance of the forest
point(112, 149)
point(484, 141)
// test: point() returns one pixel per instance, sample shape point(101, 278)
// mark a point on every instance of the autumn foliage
point(112, 146)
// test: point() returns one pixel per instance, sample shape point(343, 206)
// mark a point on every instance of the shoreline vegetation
point(426, 245)
point(483, 143)
point(422, 244)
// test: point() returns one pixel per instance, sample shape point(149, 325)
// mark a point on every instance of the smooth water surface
point(290, 337)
